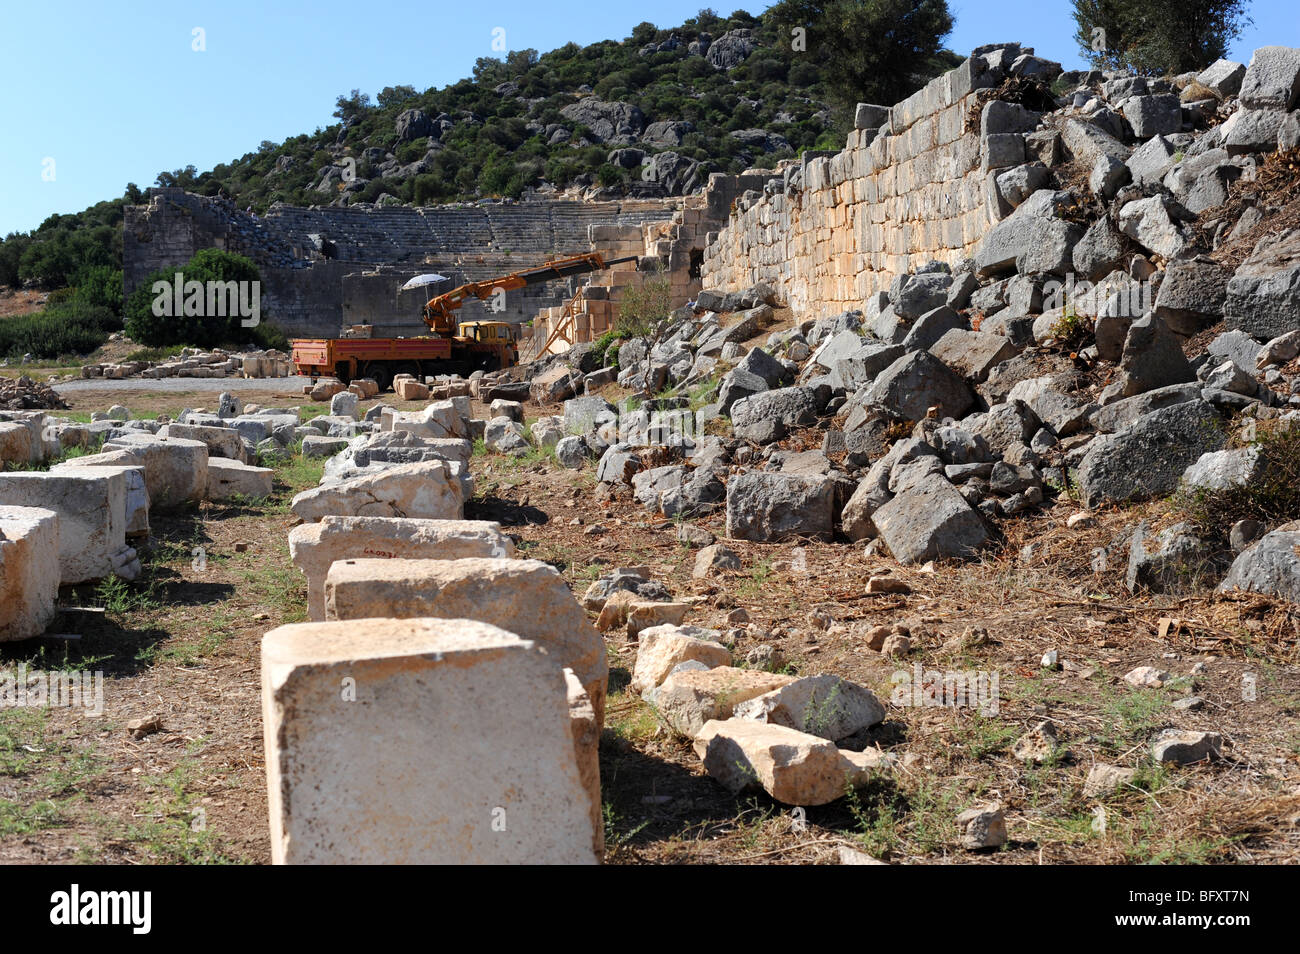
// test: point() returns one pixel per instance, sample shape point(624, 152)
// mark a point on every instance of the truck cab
point(499, 336)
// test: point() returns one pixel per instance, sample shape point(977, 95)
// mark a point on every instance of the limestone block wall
point(671, 251)
point(835, 229)
point(326, 267)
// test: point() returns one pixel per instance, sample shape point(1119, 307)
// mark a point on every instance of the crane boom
point(439, 313)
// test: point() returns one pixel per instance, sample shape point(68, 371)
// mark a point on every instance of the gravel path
point(290, 385)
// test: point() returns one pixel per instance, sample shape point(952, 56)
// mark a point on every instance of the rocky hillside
point(649, 115)
point(1127, 331)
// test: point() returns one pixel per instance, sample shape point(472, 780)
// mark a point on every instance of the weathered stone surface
point(431, 490)
point(314, 547)
point(352, 782)
point(1147, 458)
point(1252, 130)
point(914, 295)
point(1153, 358)
point(1150, 223)
point(1014, 235)
point(770, 415)
point(1173, 559)
point(1223, 76)
point(930, 521)
point(861, 366)
point(221, 441)
point(29, 571)
point(1151, 161)
point(586, 415)
point(1272, 81)
point(1223, 470)
point(826, 706)
point(689, 698)
point(1155, 115)
point(527, 596)
point(714, 557)
point(791, 766)
point(230, 478)
point(91, 504)
point(982, 827)
point(1117, 416)
point(506, 436)
point(137, 492)
point(660, 649)
point(1271, 566)
point(175, 469)
point(914, 383)
point(770, 507)
point(439, 419)
point(1263, 297)
point(1192, 295)
point(972, 354)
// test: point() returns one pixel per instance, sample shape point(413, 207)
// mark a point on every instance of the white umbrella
point(429, 278)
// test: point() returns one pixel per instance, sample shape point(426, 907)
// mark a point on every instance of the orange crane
point(453, 348)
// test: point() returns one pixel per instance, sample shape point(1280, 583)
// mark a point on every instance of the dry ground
point(180, 648)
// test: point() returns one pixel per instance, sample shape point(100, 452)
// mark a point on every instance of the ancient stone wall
point(671, 252)
point(835, 229)
point(323, 268)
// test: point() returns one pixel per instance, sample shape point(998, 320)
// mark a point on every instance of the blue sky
point(115, 93)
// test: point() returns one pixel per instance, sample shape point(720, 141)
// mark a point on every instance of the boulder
point(1271, 567)
point(175, 470)
point(1272, 81)
point(1192, 295)
point(768, 507)
point(1176, 558)
point(930, 521)
point(661, 649)
point(232, 478)
point(688, 698)
point(770, 415)
point(914, 383)
point(826, 706)
point(1152, 358)
point(791, 766)
point(1148, 457)
point(1263, 295)
point(1015, 235)
point(91, 507)
point(1151, 222)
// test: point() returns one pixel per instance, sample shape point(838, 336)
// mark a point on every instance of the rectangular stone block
point(175, 469)
point(525, 597)
point(231, 478)
point(315, 546)
point(420, 741)
point(29, 571)
point(91, 504)
point(220, 441)
point(431, 490)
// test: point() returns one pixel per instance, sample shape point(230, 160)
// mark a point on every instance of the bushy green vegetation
point(1159, 37)
point(204, 330)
